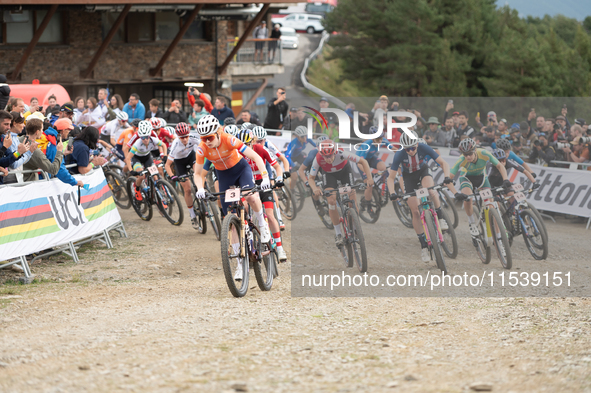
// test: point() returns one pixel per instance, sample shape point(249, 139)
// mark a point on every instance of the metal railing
point(267, 50)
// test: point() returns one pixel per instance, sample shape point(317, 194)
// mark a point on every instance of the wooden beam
point(247, 32)
point(154, 71)
point(38, 33)
point(86, 73)
point(256, 94)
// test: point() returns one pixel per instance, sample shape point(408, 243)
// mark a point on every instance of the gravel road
point(154, 314)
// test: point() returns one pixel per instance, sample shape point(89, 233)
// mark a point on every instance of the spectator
point(502, 127)
point(134, 108)
point(33, 104)
point(63, 127)
point(456, 118)
point(115, 107)
point(4, 92)
point(198, 112)
point(579, 152)
point(193, 94)
point(289, 119)
point(260, 32)
point(40, 159)
point(542, 150)
point(300, 119)
point(277, 112)
point(449, 131)
point(79, 107)
point(561, 121)
point(489, 136)
point(52, 102)
point(220, 110)
point(463, 130)
point(155, 111)
point(16, 105)
point(515, 138)
point(540, 124)
point(491, 121)
point(276, 35)
point(529, 137)
point(380, 104)
point(575, 131)
point(93, 114)
point(103, 101)
point(247, 117)
point(81, 156)
point(434, 136)
point(330, 117)
point(5, 121)
point(17, 125)
point(175, 113)
point(9, 159)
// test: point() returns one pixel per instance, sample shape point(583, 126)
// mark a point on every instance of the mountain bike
point(437, 239)
point(204, 210)
point(370, 212)
point(298, 193)
point(447, 203)
point(520, 220)
point(241, 242)
point(118, 188)
point(401, 207)
point(353, 251)
point(492, 230)
point(154, 190)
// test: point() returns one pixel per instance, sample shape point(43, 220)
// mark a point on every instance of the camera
point(563, 145)
point(556, 127)
point(537, 143)
point(584, 139)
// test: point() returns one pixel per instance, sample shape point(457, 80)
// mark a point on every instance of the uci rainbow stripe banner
point(42, 215)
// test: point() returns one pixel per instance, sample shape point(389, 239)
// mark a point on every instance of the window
point(107, 21)
point(165, 96)
point(167, 25)
point(21, 26)
point(140, 27)
point(291, 17)
point(159, 26)
point(196, 30)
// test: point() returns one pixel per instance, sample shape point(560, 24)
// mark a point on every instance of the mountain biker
point(295, 151)
point(505, 144)
point(308, 163)
point(266, 196)
point(335, 165)
point(472, 166)
point(223, 150)
point(140, 157)
point(182, 154)
point(411, 162)
point(114, 128)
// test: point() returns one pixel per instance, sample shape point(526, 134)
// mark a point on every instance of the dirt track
point(154, 314)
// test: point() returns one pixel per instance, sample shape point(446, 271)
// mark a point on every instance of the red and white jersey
point(274, 150)
point(261, 151)
point(135, 137)
point(340, 161)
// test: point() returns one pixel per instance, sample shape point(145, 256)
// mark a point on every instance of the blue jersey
point(295, 148)
point(372, 149)
point(310, 158)
point(512, 156)
point(413, 163)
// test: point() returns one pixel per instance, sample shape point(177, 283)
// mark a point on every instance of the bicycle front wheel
point(435, 243)
point(539, 217)
point(142, 207)
point(356, 241)
point(479, 241)
point(214, 217)
point(118, 189)
point(500, 239)
point(262, 258)
point(371, 213)
point(535, 239)
point(168, 202)
point(322, 209)
point(450, 208)
point(199, 216)
point(450, 242)
point(235, 267)
point(285, 202)
point(401, 208)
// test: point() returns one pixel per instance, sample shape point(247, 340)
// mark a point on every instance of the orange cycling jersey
point(124, 137)
point(223, 157)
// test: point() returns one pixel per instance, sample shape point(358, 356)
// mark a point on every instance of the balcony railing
point(268, 51)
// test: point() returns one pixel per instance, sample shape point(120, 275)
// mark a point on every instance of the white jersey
point(340, 161)
point(178, 150)
point(274, 150)
point(139, 149)
point(114, 129)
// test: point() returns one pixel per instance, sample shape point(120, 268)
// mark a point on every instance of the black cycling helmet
point(135, 123)
point(229, 121)
point(504, 144)
point(499, 154)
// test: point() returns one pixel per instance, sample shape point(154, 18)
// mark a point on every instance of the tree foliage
point(460, 48)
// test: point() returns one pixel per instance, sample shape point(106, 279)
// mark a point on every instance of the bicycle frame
point(427, 205)
point(488, 204)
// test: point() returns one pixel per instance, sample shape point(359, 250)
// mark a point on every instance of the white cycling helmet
point(144, 128)
point(171, 130)
point(245, 125)
point(162, 122)
point(407, 141)
point(122, 116)
point(232, 129)
point(207, 125)
point(301, 131)
point(322, 138)
point(259, 132)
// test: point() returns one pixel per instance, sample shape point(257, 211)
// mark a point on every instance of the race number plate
point(486, 194)
point(232, 195)
point(153, 170)
point(517, 187)
point(344, 190)
point(422, 193)
point(519, 196)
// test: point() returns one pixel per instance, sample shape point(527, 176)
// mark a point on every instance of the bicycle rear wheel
point(356, 242)
point(450, 207)
point(168, 202)
point(322, 209)
point(401, 208)
point(232, 260)
point(435, 243)
point(200, 216)
point(285, 203)
point(535, 239)
point(262, 262)
point(370, 214)
point(539, 217)
point(500, 239)
point(143, 208)
point(450, 242)
point(118, 189)
point(298, 195)
point(479, 241)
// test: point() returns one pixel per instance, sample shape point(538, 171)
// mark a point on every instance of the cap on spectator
point(580, 122)
point(560, 118)
point(36, 115)
point(523, 126)
point(384, 98)
point(63, 124)
point(456, 114)
point(542, 134)
point(56, 109)
point(433, 120)
point(294, 109)
point(491, 114)
point(323, 99)
point(514, 129)
point(67, 108)
point(503, 121)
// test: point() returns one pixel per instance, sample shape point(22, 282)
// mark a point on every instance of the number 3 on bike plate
point(422, 193)
point(486, 193)
point(153, 170)
point(232, 195)
point(344, 190)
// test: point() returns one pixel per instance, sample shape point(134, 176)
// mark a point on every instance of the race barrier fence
point(54, 216)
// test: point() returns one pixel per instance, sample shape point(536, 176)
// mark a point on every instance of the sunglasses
point(145, 137)
point(183, 137)
point(410, 148)
point(209, 138)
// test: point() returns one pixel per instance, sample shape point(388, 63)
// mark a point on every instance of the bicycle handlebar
point(411, 194)
point(360, 186)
